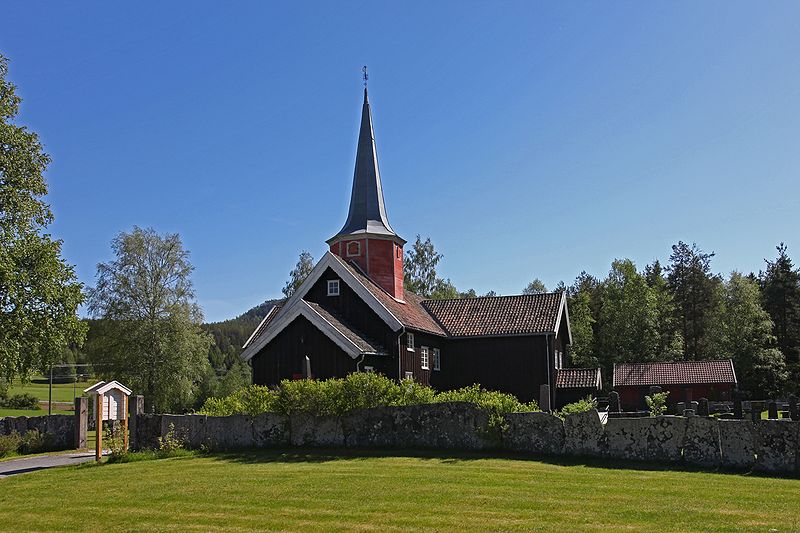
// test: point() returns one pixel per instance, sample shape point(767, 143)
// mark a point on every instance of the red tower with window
point(367, 239)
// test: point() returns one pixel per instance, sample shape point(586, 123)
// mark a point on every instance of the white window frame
point(347, 248)
point(423, 357)
point(410, 342)
point(331, 284)
point(369, 369)
point(437, 359)
point(409, 375)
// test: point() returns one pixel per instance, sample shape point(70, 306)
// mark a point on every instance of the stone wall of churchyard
point(60, 427)
point(767, 445)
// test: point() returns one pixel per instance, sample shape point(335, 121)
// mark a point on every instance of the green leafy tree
point(744, 333)
point(420, 267)
point(695, 292)
point(780, 285)
point(628, 317)
point(582, 326)
point(657, 403)
point(535, 287)
point(304, 266)
point(39, 293)
point(149, 329)
point(670, 342)
point(445, 290)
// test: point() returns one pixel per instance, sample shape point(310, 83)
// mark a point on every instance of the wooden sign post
point(111, 404)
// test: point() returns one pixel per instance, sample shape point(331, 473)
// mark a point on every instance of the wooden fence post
point(98, 438)
point(135, 408)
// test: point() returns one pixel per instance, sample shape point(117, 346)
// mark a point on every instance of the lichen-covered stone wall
point(768, 445)
point(60, 427)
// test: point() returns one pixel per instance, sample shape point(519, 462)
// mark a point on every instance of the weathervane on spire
point(365, 75)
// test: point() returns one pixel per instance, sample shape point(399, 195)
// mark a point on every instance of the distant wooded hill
point(230, 335)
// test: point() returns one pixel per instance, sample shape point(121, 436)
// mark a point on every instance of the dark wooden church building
point(352, 314)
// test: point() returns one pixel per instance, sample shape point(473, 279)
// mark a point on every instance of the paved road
point(32, 464)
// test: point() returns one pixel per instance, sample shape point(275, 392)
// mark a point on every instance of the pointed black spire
point(367, 213)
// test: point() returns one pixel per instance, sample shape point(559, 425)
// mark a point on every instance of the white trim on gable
point(562, 311)
point(266, 317)
point(329, 260)
point(302, 308)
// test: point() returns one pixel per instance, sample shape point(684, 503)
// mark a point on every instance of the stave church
point(352, 314)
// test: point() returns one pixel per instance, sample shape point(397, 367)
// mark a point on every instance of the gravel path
point(32, 464)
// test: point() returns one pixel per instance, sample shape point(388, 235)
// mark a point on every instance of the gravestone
point(794, 408)
point(738, 412)
point(702, 407)
point(755, 410)
point(773, 410)
point(544, 398)
point(613, 402)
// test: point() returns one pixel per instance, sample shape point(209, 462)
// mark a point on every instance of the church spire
point(367, 214)
point(366, 238)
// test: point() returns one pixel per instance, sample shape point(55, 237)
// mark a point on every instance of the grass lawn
point(299, 491)
point(40, 387)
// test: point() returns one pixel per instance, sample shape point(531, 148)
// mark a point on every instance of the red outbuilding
point(714, 379)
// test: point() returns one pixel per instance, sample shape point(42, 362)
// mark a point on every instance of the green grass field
point(39, 387)
point(359, 491)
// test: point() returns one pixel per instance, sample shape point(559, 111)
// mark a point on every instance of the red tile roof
point(578, 378)
point(410, 313)
point(678, 373)
point(497, 315)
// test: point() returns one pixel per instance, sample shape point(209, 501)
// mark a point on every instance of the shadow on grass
point(322, 455)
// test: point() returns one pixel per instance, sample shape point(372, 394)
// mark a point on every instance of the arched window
point(353, 249)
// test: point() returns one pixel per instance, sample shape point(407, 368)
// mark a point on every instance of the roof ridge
point(486, 297)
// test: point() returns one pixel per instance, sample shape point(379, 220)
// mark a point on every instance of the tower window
point(333, 287)
point(437, 359)
point(423, 357)
point(353, 249)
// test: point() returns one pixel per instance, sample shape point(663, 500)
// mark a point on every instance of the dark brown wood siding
point(411, 361)
point(353, 310)
point(517, 365)
point(283, 357)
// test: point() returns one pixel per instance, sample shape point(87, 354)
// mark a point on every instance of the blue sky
point(527, 139)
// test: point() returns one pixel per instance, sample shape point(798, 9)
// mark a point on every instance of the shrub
point(21, 401)
point(251, 400)
point(170, 443)
point(356, 391)
point(116, 443)
point(581, 406)
point(657, 403)
point(9, 444)
point(35, 441)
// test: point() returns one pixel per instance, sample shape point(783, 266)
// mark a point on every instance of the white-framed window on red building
point(353, 249)
point(423, 357)
point(437, 359)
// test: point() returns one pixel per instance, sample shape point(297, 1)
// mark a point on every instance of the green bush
point(657, 403)
point(36, 442)
point(9, 444)
point(356, 391)
point(581, 406)
point(21, 401)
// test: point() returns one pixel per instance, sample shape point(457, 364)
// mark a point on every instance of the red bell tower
point(366, 238)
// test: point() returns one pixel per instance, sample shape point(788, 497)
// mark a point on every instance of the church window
point(333, 287)
point(353, 249)
point(423, 357)
point(410, 341)
point(437, 359)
